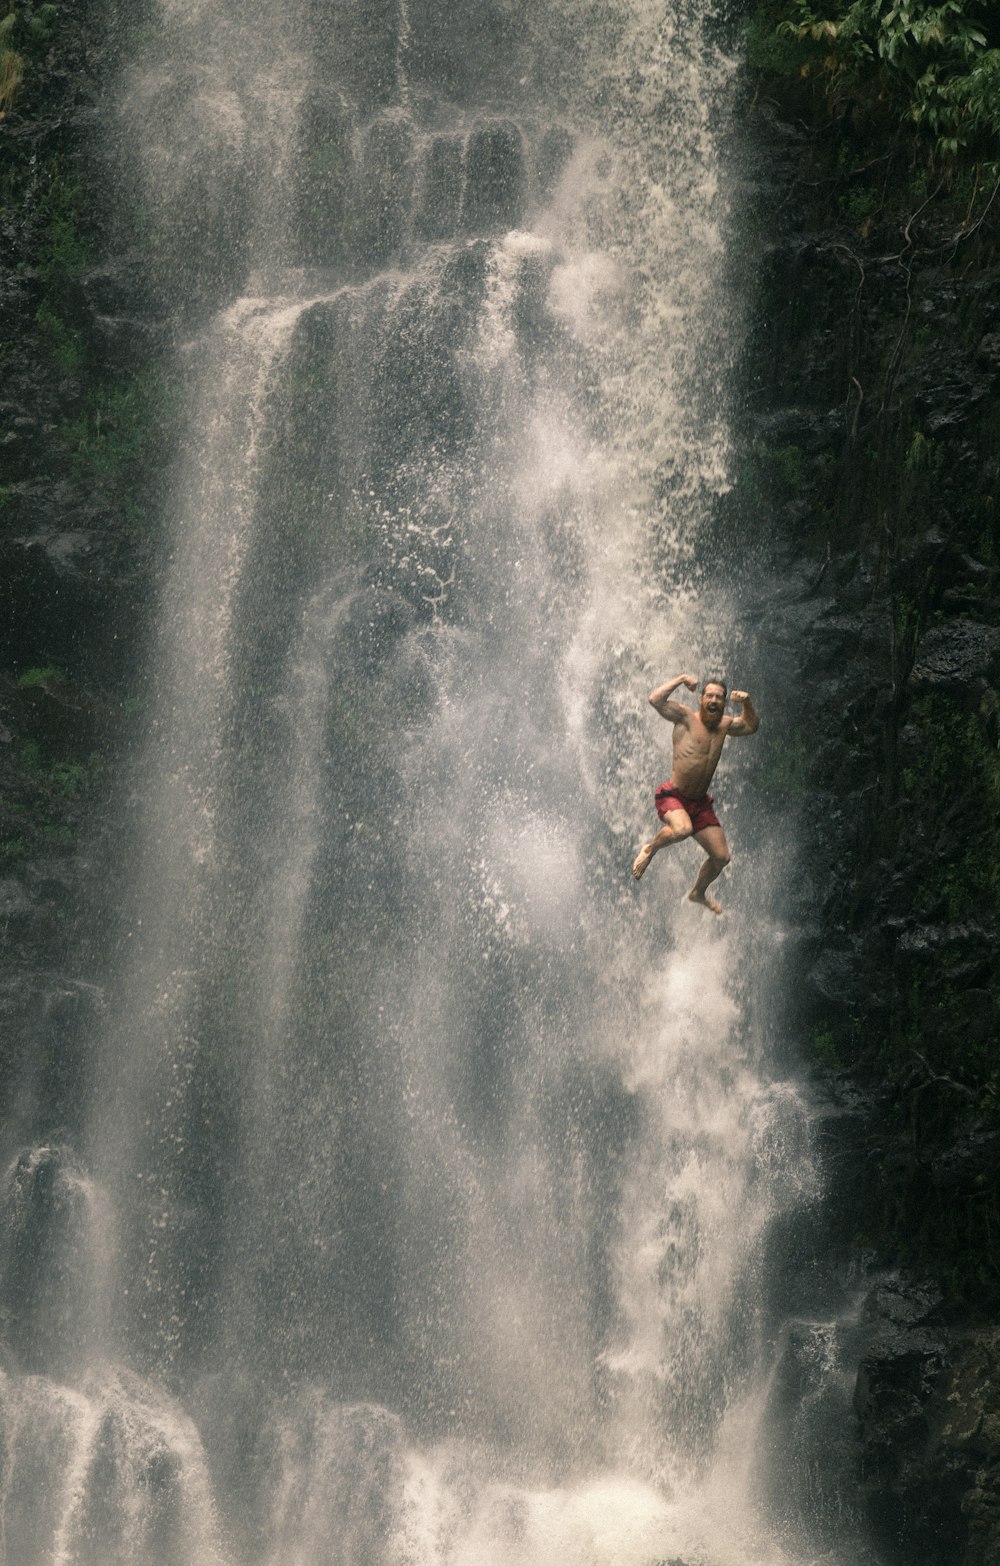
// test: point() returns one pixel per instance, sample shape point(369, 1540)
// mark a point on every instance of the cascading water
point(432, 1162)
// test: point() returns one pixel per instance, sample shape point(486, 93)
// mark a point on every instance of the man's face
point(713, 705)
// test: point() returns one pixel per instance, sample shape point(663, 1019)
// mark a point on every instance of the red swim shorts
point(700, 810)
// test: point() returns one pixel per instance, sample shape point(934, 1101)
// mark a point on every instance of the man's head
point(713, 702)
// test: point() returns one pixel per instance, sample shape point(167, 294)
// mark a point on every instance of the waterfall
point(433, 1162)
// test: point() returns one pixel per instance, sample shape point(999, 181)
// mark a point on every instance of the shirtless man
point(683, 804)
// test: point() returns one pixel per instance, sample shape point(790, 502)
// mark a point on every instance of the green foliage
point(53, 767)
point(11, 77)
point(924, 455)
point(822, 1048)
point(119, 428)
point(66, 344)
point(13, 850)
point(72, 779)
point(933, 63)
point(859, 204)
point(790, 467)
point(55, 782)
point(25, 30)
point(29, 754)
point(59, 209)
point(956, 745)
point(34, 677)
point(955, 740)
point(61, 251)
point(769, 50)
point(770, 472)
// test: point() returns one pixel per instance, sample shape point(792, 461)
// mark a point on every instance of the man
point(683, 804)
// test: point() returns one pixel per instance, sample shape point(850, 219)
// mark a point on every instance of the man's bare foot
point(695, 896)
point(642, 859)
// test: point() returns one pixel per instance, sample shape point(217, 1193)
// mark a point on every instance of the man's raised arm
point(748, 721)
point(660, 698)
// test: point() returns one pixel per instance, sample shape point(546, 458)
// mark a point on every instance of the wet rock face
point(871, 438)
point(85, 429)
point(467, 53)
point(494, 178)
point(872, 441)
point(48, 1247)
point(928, 1401)
point(304, 1472)
point(960, 656)
point(966, 1434)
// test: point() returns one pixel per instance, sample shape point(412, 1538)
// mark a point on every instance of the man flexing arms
point(683, 804)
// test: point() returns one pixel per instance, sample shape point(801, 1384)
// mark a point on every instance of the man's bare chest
point(695, 742)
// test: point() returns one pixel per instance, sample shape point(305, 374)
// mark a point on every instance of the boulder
point(988, 352)
point(955, 653)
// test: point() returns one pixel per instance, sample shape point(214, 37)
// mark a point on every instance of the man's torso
point(696, 754)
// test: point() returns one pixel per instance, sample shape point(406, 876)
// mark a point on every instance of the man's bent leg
point(713, 841)
point(676, 826)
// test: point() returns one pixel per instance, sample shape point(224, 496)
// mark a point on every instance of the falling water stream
point(424, 1199)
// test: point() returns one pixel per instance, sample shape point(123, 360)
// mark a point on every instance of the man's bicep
point(671, 710)
point(740, 726)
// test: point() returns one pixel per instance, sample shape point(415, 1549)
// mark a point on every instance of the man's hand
point(690, 680)
point(748, 721)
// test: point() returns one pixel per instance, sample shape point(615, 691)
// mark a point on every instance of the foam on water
point(450, 1518)
point(102, 1473)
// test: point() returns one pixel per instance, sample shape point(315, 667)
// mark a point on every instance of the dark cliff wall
point(85, 429)
point(873, 398)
